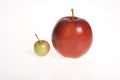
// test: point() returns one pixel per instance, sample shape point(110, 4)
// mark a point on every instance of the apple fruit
point(72, 36)
point(41, 47)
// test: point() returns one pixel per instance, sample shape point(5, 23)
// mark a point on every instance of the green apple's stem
point(72, 14)
point(37, 37)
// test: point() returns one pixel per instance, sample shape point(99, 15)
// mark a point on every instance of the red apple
point(72, 36)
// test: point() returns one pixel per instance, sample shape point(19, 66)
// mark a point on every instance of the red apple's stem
point(37, 37)
point(72, 14)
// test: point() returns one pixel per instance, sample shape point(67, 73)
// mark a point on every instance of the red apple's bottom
point(73, 49)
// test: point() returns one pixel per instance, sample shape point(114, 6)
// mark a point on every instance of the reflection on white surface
point(70, 70)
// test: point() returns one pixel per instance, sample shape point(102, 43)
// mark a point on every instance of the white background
point(20, 19)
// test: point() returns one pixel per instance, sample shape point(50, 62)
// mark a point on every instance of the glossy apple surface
point(41, 48)
point(72, 38)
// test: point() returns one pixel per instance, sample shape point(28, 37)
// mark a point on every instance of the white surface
point(20, 19)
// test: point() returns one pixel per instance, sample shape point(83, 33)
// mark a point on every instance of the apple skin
point(41, 47)
point(72, 38)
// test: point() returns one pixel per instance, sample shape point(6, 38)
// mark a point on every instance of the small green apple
point(41, 47)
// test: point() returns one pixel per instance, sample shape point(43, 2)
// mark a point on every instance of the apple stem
point(37, 37)
point(72, 14)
